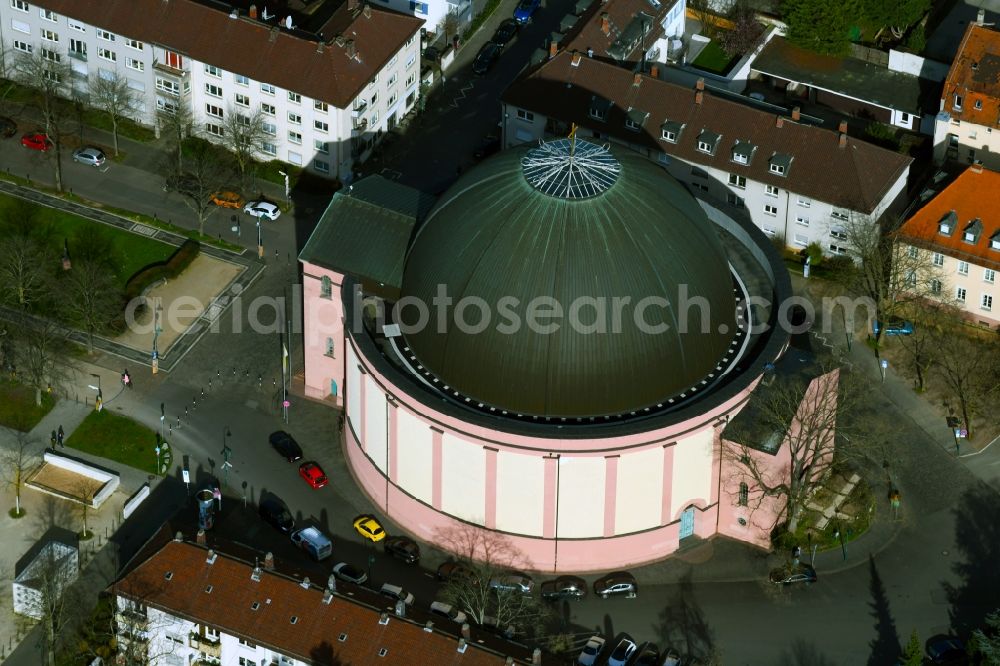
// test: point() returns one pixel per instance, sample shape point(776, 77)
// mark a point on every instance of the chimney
point(255, 574)
point(269, 560)
point(509, 661)
point(796, 114)
point(698, 96)
point(462, 645)
point(553, 48)
point(976, 167)
point(383, 618)
point(842, 128)
point(305, 584)
point(352, 5)
point(401, 609)
point(466, 633)
point(179, 537)
point(211, 556)
point(253, 11)
point(319, 47)
point(654, 71)
point(605, 24)
point(980, 17)
point(349, 45)
point(331, 583)
point(201, 538)
point(576, 59)
point(429, 627)
point(274, 34)
point(536, 657)
point(700, 84)
point(779, 121)
point(637, 79)
point(843, 141)
point(590, 52)
point(367, 11)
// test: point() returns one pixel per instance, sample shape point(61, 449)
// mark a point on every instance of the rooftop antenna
point(265, 16)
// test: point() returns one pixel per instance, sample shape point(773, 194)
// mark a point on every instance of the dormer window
point(995, 241)
point(978, 105)
point(708, 142)
point(599, 108)
point(947, 224)
point(743, 152)
point(973, 230)
point(635, 119)
point(671, 131)
point(958, 102)
point(779, 164)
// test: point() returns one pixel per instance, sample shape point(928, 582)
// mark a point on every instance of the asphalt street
point(935, 575)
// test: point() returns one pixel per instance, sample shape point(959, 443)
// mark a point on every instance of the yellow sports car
point(369, 528)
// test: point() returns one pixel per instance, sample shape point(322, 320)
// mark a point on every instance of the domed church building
point(550, 350)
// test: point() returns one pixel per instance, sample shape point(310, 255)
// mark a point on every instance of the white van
point(396, 593)
point(314, 542)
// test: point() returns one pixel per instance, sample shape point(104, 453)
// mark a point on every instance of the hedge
point(168, 269)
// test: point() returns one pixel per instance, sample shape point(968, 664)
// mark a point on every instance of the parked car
point(946, 650)
point(512, 581)
point(671, 658)
point(262, 209)
point(616, 584)
point(450, 570)
point(564, 587)
point(624, 649)
point(314, 542)
point(36, 141)
point(591, 651)
point(525, 10)
point(402, 548)
point(786, 575)
point(486, 58)
point(286, 445)
point(369, 528)
point(8, 127)
point(90, 156)
point(448, 611)
point(313, 474)
point(893, 327)
point(349, 573)
point(277, 515)
point(227, 199)
point(396, 593)
point(432, 54)
point(647, 655)
point(505, 32)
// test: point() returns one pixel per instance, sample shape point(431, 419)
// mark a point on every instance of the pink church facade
point(566, 504)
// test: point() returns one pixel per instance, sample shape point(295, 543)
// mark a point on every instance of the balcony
point(209, 647)
point(168, 69)
point(79, 55)
point(129, 617)
point(359, 110)
point(360, 125)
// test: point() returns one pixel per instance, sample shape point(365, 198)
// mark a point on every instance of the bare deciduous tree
point(747, 32)
point(970, 369)
point(932, 323)
point(244, 134)
point(42, 354)
point(47, 76)
point(113, 95)
point(26, 268)
point(85, 491)
point(176, 121)
point(92, 297)
point(16, 463)
point(205, 174)
point(57, 604)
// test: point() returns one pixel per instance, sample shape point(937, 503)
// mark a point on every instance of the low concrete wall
point(108, 480)
point(133, 502)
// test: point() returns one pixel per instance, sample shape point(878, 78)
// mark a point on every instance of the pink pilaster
point(551, 497)
point(437, 458)
point(362, 390)
point(668, 486)
point(610, 494)
point(716, 462)
point(491, 487)
point(391, 425)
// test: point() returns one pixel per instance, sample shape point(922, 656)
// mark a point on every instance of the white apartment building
point(326, 100)
point(960, 229)
point(184, 604)
point(967, 127)
point(433, 12)
point(794, 180)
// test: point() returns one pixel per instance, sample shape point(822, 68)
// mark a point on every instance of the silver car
point(512, 581)
point(262, 209)
point(89, 155)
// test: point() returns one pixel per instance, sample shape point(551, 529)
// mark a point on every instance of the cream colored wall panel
point(414, 451)
point(463, 472)
point(638, 502)
point(581, 497)
point(376, 428)
point(353, 390)
point(520, 493)
point(692, 471)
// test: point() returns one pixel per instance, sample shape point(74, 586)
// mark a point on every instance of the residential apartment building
point(960, 229)
point(327, 93)
point(184, 604)
point(794, 180)
point(624, 32)
point(433, 12)
point(967, 127)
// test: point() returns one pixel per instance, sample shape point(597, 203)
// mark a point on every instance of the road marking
point(462, 94)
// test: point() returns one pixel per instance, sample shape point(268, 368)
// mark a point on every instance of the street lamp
point(99, 404)
point(287, 190)
point(227, 453)
point(260, 242)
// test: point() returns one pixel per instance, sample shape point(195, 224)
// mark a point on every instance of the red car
point(36, 141)
point(313, 474)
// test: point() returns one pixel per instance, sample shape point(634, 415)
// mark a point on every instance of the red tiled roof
point(975, 76)
point(317, 629)
point(975, 194)
point(248, 47)
point(857, 176)
point(588, 32)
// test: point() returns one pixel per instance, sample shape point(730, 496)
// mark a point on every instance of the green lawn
point(116, 438)
point(130, 251)
point(713, 59)
point(17, 406)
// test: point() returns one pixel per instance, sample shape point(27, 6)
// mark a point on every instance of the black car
point(486, 57)
point(619, 583)
point(647, 655)
point(286, 445)
point(564, 587)
point(276, 515)
point(402, 548)
point(505, 32)
point(450, 570)
point(8, 127)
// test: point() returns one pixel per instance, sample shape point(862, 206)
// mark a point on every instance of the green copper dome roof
point(583, 225)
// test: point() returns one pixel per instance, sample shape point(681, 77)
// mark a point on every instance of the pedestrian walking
point(126, 379)
point(60, 436)
point(53, 439)
point(796, 554)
